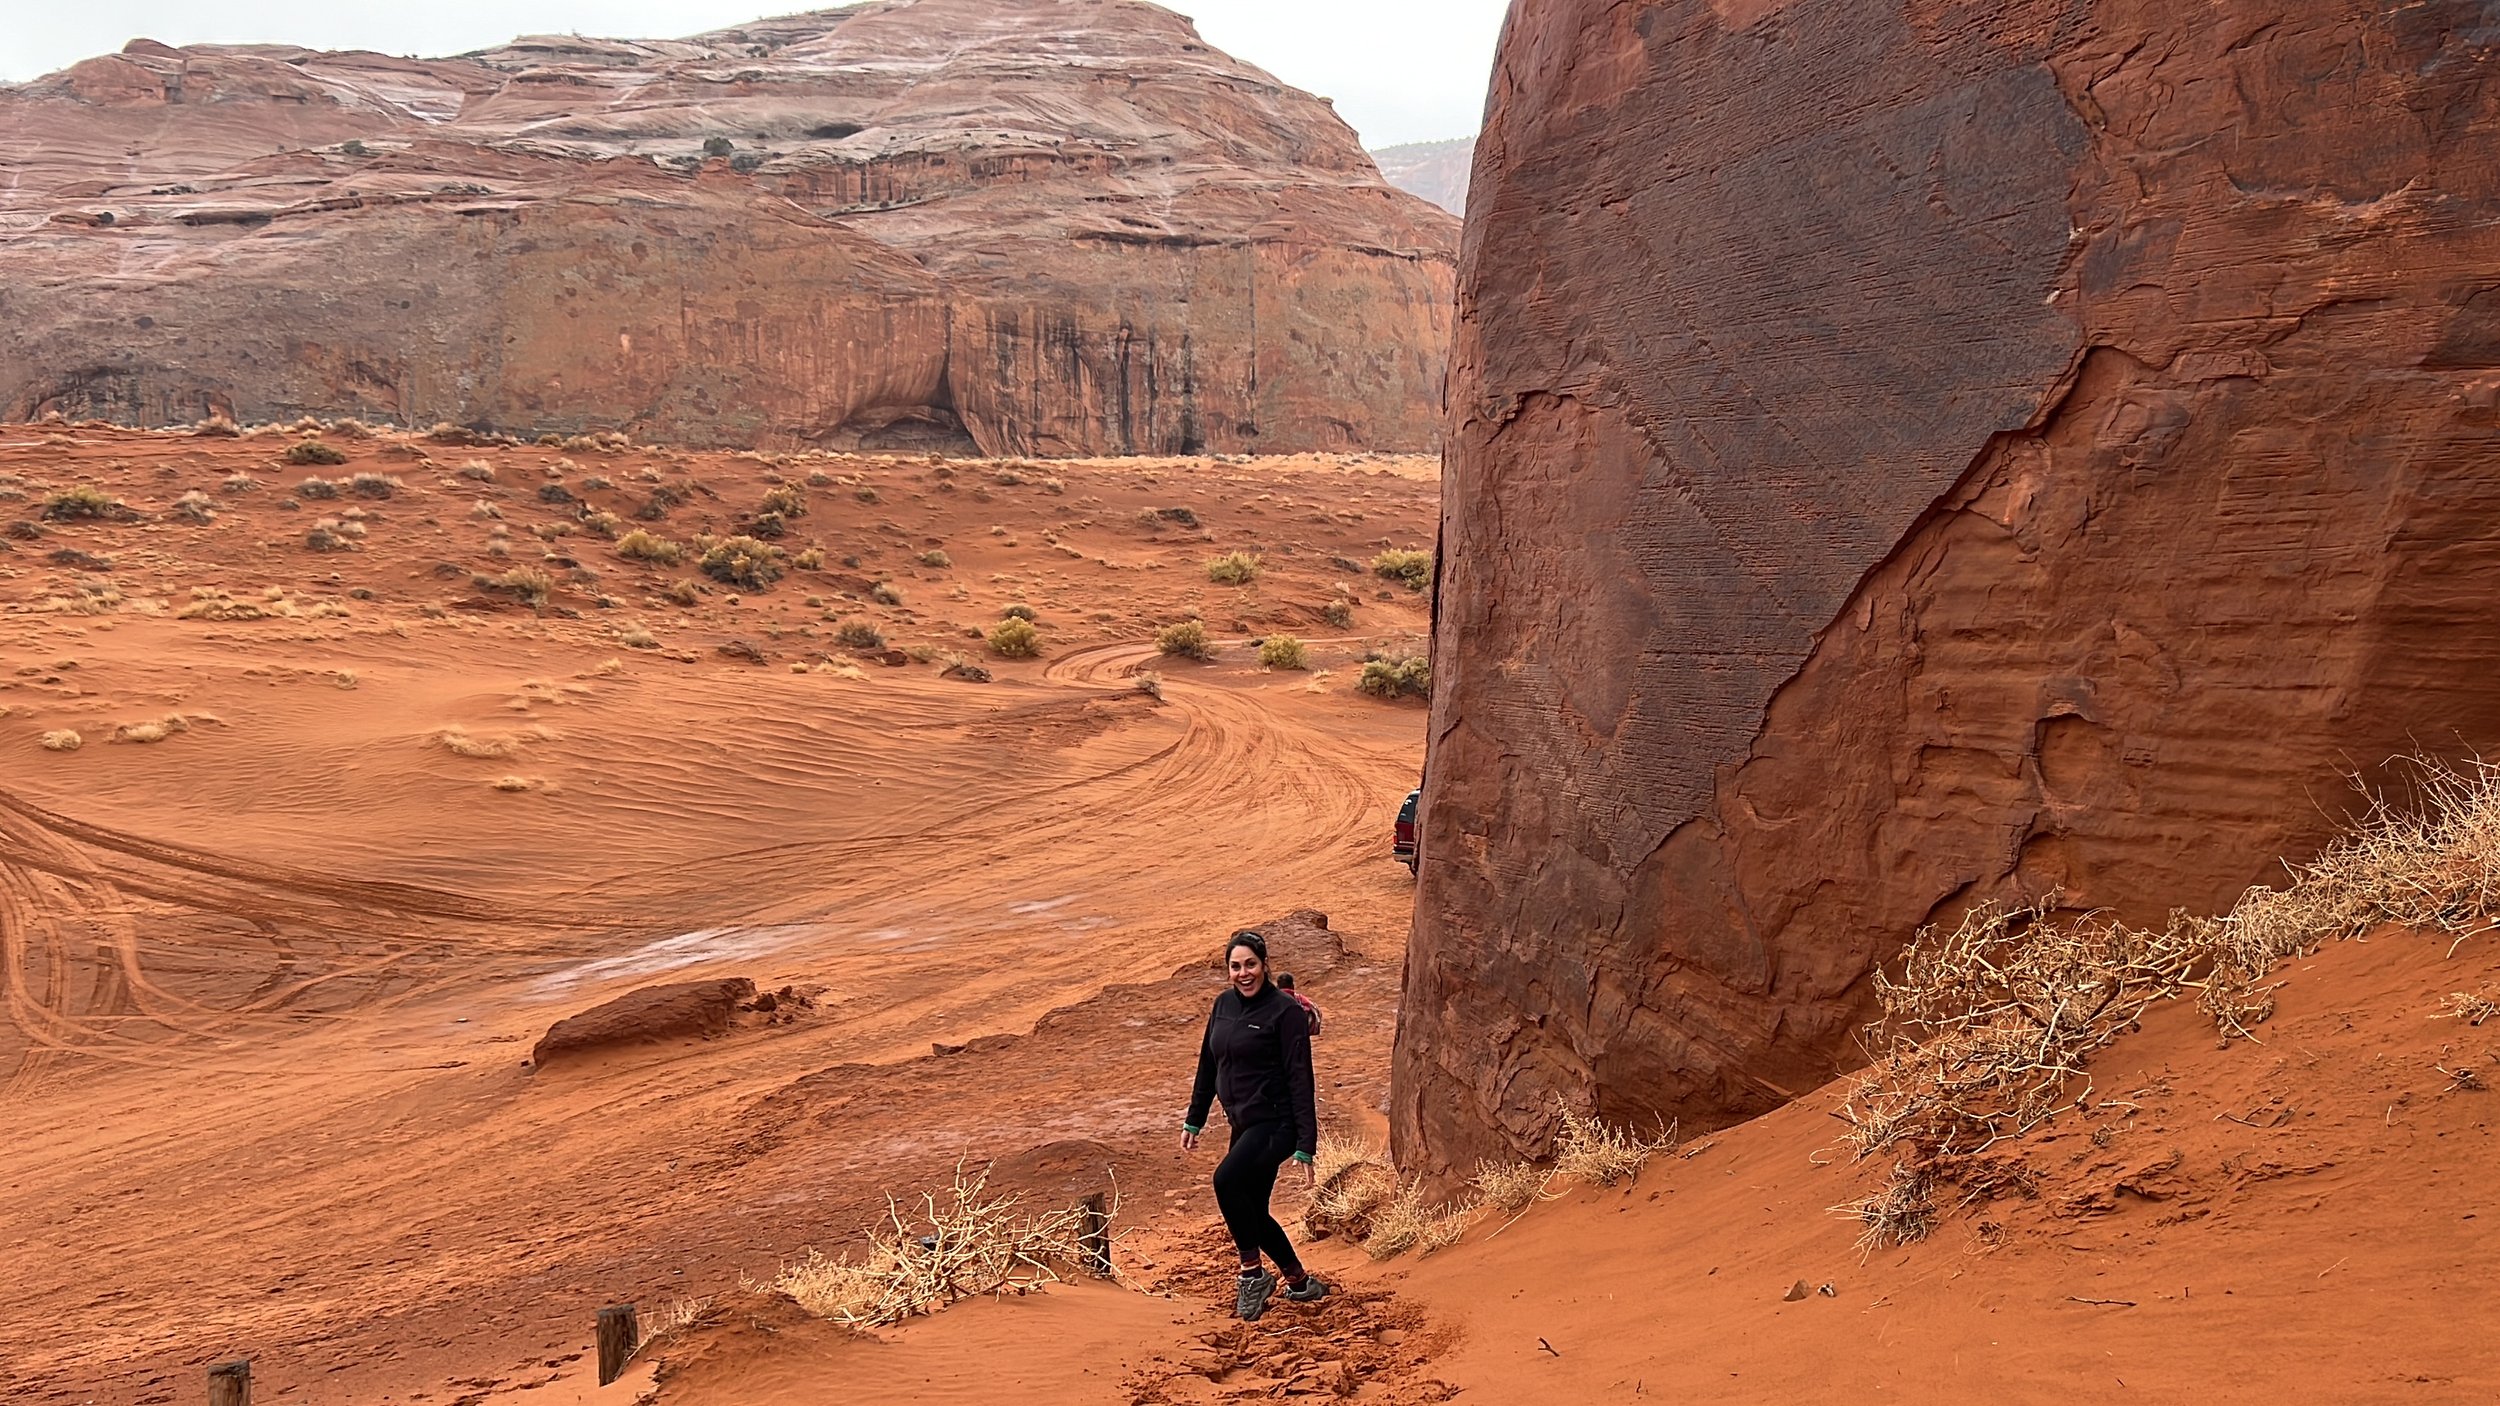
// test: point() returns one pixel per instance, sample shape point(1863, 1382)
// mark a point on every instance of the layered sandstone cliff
point(1063, 226)
point(1906, 455)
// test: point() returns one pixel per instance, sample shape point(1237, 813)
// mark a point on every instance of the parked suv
point(1403, 845)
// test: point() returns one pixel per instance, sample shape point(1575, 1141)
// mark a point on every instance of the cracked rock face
point(1906, 455)
point(1016, 226)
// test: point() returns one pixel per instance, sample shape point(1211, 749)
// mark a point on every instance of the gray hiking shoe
point(1250, 1300)
point(1312, 1291)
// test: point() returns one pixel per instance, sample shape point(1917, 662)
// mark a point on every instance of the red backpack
point(1307, 1009)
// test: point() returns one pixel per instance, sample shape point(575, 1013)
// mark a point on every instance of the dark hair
point(1285, 980)
point(1249, 939)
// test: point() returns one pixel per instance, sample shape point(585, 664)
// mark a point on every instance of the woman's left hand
point(1310, 1172)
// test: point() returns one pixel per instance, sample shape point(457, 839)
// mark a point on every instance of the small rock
point(1796, 1292)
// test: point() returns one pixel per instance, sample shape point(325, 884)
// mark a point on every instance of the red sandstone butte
point(1909, 454)
point(1016, 226)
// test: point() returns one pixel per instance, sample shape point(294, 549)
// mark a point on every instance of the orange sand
point(271, 978)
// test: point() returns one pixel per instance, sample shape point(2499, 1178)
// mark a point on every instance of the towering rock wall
point(1909, 454)
point(1064, 226)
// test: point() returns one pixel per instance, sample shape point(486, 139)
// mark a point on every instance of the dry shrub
point(1990, 1027)
point(883, 593)
point(476, 471)
point(84, 501)
point(215, 427)
point(196, 506)
point(743, 562)
point(64, 740)
point(374, 485)
point(1352, 1181)
point(1283, 652)
point(859, 634)
point(1015, 639)
point(682, 593)
point(1186, 640)
point(1147, 682)
point(321, 488)
point(1406, 1221)
point(239, 482)
point(1901, 1213)
point(1020, 611)
point(313, 451)
point(331, 535)
point(1396, 676)
point(152, 729)
point(1234, 569)
point(1413, 568)
point(1591, 1150)
point(960, 1242)
point(528, 582)
point(813, 559)
point(637, 636)
point(211, 603)
point(2472, 1007)
point(1339, 614)
point(936, 558)
point(639, 545)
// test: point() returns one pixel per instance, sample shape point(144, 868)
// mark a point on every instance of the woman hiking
point(1256, 1057)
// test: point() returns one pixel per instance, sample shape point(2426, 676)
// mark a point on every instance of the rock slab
point(1904, 455)
point(678, 1011)
point(1004, 226)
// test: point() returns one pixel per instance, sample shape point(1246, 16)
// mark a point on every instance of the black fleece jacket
point(1256, 1057)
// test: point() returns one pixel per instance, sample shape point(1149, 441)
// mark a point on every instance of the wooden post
point(230, 1383)
point(1095, 1236)
point(618, 1336)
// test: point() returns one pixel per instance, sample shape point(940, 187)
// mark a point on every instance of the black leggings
point(1243, 1182)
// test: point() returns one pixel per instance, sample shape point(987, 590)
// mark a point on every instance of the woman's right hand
point(1189, 1140)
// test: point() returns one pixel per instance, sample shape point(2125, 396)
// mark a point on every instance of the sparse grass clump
point(1511, 1186)
point(320, 488)
point(1339, 614)
point(936, 558)
point(84, 501)
point(639, 545)
point(1019, 612)
point(1147, 682)
point(527, 582)
point(374, 485)
point(1589, 1149)
point(1186, 640)
point(859, 634)
point(1234, 569)
point(784, 501)
point(813, 559)
point(329, 535)
point(239, 482)
point(1015, 639)
point(1396, 676)
point(1283, 652)
point(883, 593)
point(743, 562)
point(476, 471)
point(1412, 568)
point(196, 506)
point(216, 427)
point(313, 451)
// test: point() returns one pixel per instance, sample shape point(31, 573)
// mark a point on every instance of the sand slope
point(271, 979)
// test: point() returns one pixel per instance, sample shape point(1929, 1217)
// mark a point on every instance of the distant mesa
point(999, 226)
point(1437, 171)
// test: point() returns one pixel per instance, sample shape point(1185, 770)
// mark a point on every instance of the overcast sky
point(1400, 70)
